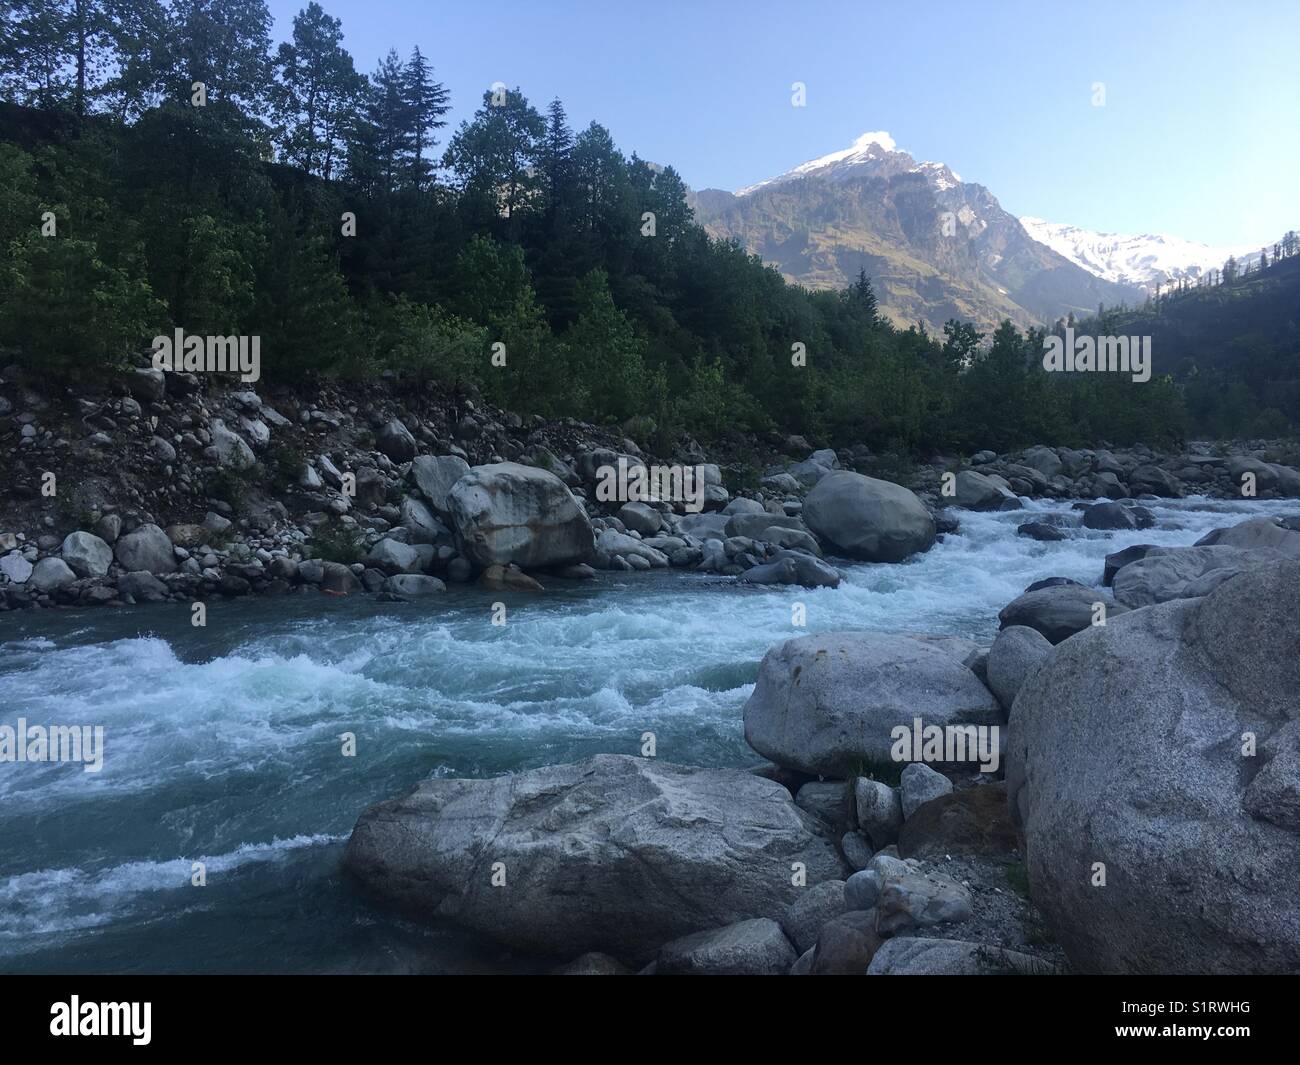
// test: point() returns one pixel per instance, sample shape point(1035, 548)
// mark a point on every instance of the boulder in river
point(1163, 752)
point(826, 703)
point(1061, 611)
point(616, 853)
point(506, 512)
point(978, 491)
point(1016, 653)
point(1166, 573)
point(866, 518)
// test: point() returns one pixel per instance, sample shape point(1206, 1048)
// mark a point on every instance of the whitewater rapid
point(223, 745)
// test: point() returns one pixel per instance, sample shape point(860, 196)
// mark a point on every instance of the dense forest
point(164, 165)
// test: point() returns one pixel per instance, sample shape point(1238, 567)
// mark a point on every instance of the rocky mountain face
point(935, 247)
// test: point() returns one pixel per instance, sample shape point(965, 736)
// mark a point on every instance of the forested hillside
point(162, 164)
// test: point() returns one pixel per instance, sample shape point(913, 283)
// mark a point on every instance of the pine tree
point(426, 101)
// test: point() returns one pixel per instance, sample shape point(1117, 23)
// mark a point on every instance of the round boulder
point(866, 518)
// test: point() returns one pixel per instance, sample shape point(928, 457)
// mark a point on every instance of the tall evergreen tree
point(426, 100)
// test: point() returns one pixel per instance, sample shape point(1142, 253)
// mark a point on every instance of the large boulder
point(1016, 653)
point(146, 548)
point(921, 956)
point(868, 519)
point(1109, 515)
point(976, 491)
point(757, 947)
point(616, 853)
point(971, 821)
point(507, 512)
point(1166, 747)
point(1184, 572)
point(825, 704)
point(50, 575)
point(86, 554)
point(434, 475)
point(1254, 534)
point(1060, 611)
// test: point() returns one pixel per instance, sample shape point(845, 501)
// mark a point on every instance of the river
point(223, 744)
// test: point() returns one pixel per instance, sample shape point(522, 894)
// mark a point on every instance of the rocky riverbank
point(1147, 821)
point(172, 486)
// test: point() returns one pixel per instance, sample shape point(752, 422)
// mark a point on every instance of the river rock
point(917, 899)
point(1058, 612)
point(1254, 534)
point(142, 586)
point(507, 512)
point(392, 556)
point(1016, 653)
point(434, 475)
point(919, 956)
point(146, 548)
point(50, 575)
point(86, 554)
point(641, 518)
point(978, 491)
point(413, 585)
point(1039, 530)
point(418, 520)
point(1127, 749)
point(1117, 560)
point(826, 703)
point(846, 945)
point(805, 917)
point(15, 567)
point(1109, 515)
point(879, 810)
point(616, 853)
point(1167, 573)
point(865, 518)
point(756, 947)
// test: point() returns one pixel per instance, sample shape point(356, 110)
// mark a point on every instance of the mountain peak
point(868, 148)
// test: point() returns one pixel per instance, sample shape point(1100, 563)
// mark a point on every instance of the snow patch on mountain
point(1136, 260)
point(868, 148)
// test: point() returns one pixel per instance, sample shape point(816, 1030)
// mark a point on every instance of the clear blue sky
point(1199, 135)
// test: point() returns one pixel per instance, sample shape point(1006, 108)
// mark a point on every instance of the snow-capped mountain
point(1136, 260)
point(936, 247)
point(871, 154)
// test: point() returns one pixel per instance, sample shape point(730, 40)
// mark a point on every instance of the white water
point(222, 745)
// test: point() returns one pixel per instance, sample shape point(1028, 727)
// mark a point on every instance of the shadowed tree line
point(199, 177)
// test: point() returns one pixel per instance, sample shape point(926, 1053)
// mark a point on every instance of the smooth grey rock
point(50, 574)
point(15, 567)
point(392, 557)
point(434, 475)
point(146, 548)
point(806, 915)
point(857, 850)
point(507, 512)
point(846, 945)
point(641, 518)
point(611, 543)
point(879, 809)
point(413, 585)
point(615, 853)
point(755, 947)
point(826, 703)
point(918, 785)
point(1059, 612)
point(86, 554)
point(142, 586)
point(420, 523)
point(830, 801)
point(865, 518)
point(862, 890)
point(1127, 749)
point(1016, 653)
point(1109, 515)
point(1254, 534)
point(919, 956)
point(978, 491)
point(1164, 574)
